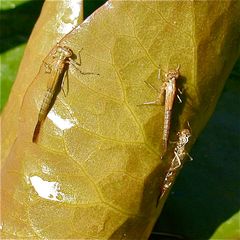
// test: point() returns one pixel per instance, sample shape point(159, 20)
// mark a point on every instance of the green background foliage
point(205, 201)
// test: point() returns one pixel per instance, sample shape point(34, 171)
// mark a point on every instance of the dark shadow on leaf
point(153, 130)
point(133, 226)
point(178, 108)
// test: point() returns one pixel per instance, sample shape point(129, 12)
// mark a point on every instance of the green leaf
point(103, 167)
point(229, 229)
point(9, 64)
point(11, 4)
point(14, 15)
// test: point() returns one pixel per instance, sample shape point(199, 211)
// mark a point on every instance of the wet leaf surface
point(99, 152)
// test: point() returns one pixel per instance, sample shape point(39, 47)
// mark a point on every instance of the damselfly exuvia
point(168, 91)
point(176, 163)
point(62, 57)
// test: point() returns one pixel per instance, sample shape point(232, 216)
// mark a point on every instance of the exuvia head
point(186, 132)
point(66, 51)
point(184, 136)
point(174, 73)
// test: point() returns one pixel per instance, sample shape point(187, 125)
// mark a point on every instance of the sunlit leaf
point(228, 230)
point(102, 168)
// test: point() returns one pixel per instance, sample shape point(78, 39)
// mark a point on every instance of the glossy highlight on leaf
point(99, 153)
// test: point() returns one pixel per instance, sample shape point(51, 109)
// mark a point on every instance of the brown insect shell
point(172, 74)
